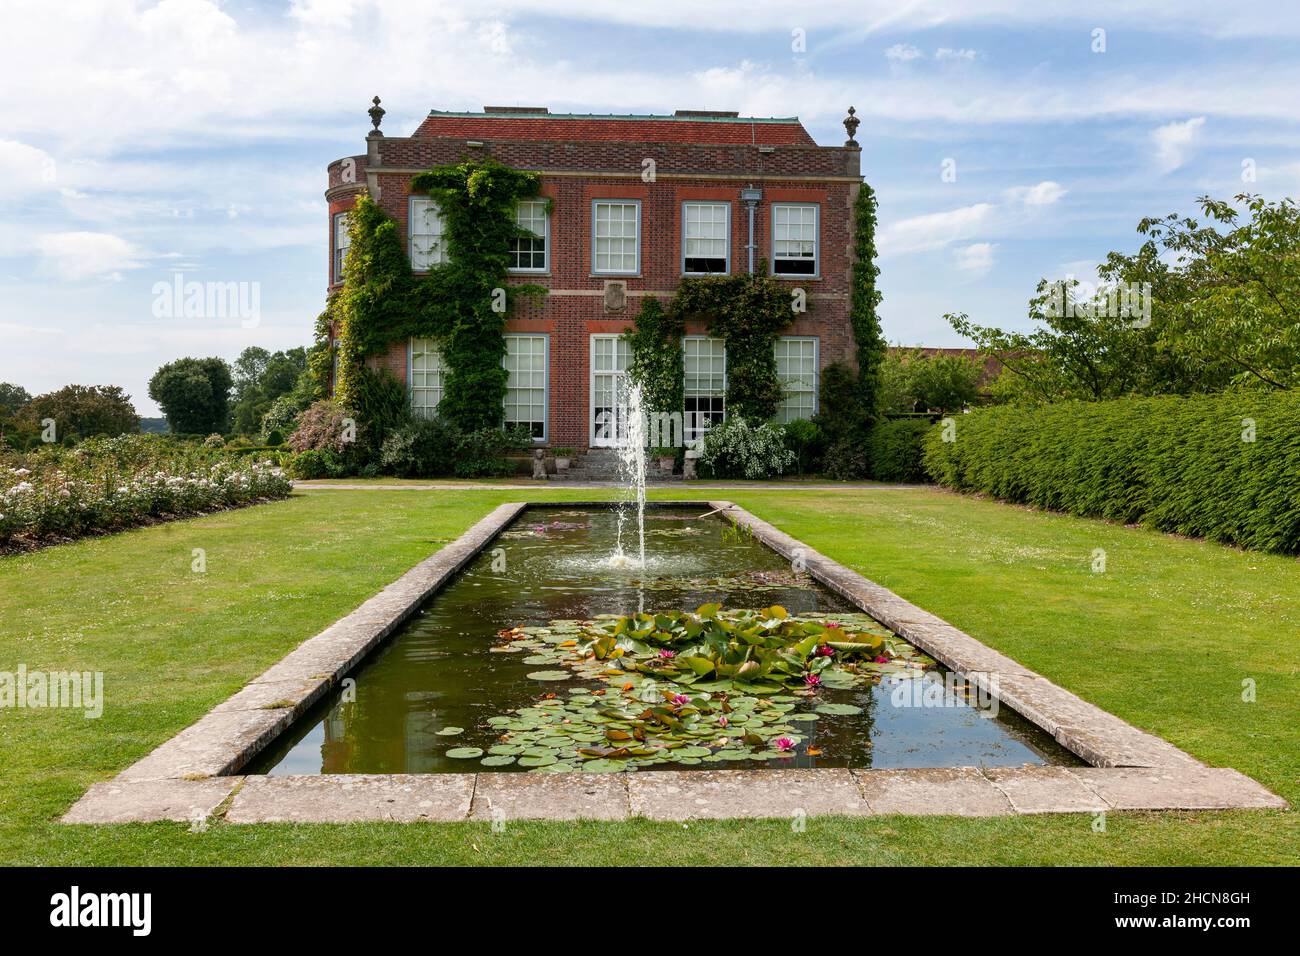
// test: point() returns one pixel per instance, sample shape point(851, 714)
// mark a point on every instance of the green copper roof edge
point(617, 116)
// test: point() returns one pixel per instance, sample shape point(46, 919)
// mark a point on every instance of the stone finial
point(851, 124)
point(376, 116)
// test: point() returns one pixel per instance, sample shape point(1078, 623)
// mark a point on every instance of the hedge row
point(895, 448)
point(1224, 467)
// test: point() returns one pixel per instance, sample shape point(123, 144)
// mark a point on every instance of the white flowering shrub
point(737, 449)
point(106, 484)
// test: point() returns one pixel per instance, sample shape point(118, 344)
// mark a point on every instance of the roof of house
point(700, 127)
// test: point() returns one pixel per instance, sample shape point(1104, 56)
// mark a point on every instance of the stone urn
point(562, 464)
point(667, 463)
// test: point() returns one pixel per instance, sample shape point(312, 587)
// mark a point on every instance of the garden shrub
point(1224, 467)
point(806, 442)
point(482, 453)
point(325, 426)
point(422, 448)
point(737, 449)
point(896, 449)
point(315, 463)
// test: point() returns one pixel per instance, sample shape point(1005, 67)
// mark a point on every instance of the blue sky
point(140, 139)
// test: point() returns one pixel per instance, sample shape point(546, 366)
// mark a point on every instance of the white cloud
point(1174, 140)
point(903, 52)
point(935, 230)
point(75, 256)
point(947, 53)
point(976, 259)
point(1045, 193)
point(25, 168)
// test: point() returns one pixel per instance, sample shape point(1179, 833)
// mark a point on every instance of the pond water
point(436, 687)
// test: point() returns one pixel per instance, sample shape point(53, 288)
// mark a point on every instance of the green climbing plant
point(656, 361)
point(462, 303)
point(864, 303)
point(749, 311)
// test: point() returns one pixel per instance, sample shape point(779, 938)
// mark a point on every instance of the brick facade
point(581, 159)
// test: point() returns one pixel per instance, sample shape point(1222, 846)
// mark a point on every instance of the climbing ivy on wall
point(749, 311)
point(656, 362)
point(864, 301)
point(462, 304)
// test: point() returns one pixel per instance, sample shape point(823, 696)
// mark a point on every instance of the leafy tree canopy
point(194, 394)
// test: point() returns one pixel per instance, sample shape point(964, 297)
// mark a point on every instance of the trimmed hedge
point(1175, 464)
point(896, 448)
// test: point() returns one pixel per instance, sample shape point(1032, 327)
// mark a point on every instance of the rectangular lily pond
point(555, 650)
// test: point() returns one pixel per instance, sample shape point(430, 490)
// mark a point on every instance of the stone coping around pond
point(194, 775)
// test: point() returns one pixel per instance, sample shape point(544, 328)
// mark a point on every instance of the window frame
point(817, 241)
point(692, 433)
point(340, 251)
point(545, 237)
point(595, 270)
point(726, 235)
point(410, 378)
point(816, 374)
point(411, 234)
point(546, 381)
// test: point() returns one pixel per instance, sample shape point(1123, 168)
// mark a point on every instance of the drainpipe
point(750, 197)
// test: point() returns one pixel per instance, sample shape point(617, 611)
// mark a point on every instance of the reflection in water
point(437, 673)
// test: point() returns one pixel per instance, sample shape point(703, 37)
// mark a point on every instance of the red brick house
point(637, 203)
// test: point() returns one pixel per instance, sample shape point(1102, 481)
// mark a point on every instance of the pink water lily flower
point(882, 659)
point(826, 651)
point(722, 720)
point(784, 743)
point(666, 653)
point(812, 680)
point(681, 699)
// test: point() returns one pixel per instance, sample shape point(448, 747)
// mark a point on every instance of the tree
point(1220, 309)
point(946, 383)
point(13, 397)
point(194, 394)
point(261, 377)
point(80, 411)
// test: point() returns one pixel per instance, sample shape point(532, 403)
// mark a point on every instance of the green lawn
point(1163, 638)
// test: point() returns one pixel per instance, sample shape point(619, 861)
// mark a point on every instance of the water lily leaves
point(839, 710)
point(692, 752)
point(540, 760)
point(464, 753)
point(802, 718)
point(497, 760)
point(451, 731)
point(549, 675)
point(601, 766)
point(506, 750)
point(541, 659)
point(708, 611)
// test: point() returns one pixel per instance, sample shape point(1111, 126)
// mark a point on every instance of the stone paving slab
point(1190, 788)
point(1045, 790)
point(292, 695)
point(350, 798)
point(220, 743)
point(559, 796)
point(723, 794)
point(148, 800)
point(959, 791)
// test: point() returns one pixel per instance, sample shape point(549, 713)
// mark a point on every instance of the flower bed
point(109, 484)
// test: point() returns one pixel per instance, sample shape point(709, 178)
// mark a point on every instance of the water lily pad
point(602, 766)
point(464, 753)
point(802, 718)
point(451, 731)
point(497, 760)
point(549, 675)
point(540, 760)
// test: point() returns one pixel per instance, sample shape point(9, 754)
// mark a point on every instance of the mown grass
point(1164, 638)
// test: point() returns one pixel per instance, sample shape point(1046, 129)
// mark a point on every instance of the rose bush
point(113, 483)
